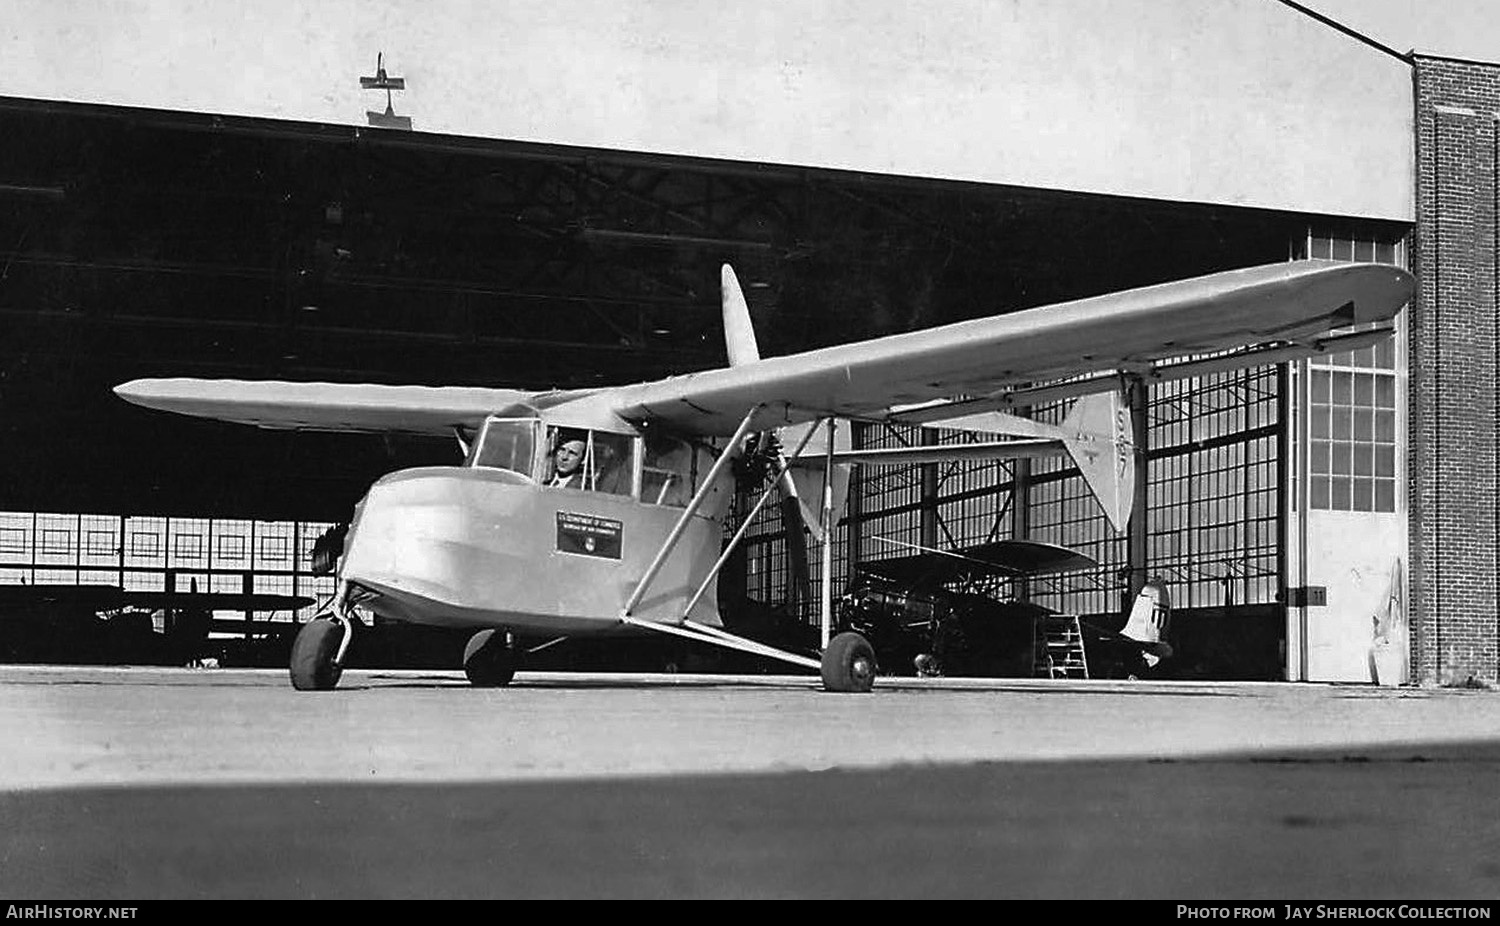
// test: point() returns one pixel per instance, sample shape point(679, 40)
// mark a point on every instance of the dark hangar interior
point(151, 243)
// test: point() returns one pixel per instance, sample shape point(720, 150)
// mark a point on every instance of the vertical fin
point(739, 333)
point(1150, 618)
point(1148, 614)
point(1097, 434)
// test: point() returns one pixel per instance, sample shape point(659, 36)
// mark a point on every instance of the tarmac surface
point(226, 783)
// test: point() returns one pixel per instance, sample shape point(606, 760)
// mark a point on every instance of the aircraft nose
point(437, 534)
point(407, 512)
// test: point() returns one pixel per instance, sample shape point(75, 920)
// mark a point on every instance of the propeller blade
point(804, 482)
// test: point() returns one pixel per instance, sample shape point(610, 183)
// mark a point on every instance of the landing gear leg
point(848, 663)
point(318, 652)
point(490, 659)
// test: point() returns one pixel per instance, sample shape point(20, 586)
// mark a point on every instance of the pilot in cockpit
point(567, 460)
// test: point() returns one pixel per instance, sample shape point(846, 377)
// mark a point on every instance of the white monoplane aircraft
point(633, 542)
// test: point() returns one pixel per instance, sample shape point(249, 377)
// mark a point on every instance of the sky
point(1070, 94)
point(1455, 28)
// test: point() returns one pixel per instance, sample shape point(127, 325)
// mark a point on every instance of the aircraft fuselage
point(477, 547)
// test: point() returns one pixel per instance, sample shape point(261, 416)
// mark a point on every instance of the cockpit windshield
point(506, 443)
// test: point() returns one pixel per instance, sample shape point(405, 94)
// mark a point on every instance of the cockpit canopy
point(657, 469)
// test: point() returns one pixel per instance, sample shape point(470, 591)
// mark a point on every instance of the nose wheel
point(317, 653)
point(848, 663)
point(490, 659)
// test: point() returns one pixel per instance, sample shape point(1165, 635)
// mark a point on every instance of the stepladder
point(1059, 648)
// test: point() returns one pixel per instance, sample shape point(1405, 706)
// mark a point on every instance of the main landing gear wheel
point(489, 661)
point(848, 663)
point(313, 666)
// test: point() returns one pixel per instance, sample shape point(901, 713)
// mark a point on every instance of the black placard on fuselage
point(588, 535)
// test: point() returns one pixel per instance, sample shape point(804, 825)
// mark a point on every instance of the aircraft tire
point(489, 661)
point(312, 665)
point(848, 663)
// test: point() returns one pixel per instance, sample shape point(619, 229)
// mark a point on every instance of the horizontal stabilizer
point(940, 453)
point(1096, 434)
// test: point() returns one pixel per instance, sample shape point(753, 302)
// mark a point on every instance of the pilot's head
point(569, 453)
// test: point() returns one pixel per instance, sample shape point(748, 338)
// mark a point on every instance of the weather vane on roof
point(381, 81)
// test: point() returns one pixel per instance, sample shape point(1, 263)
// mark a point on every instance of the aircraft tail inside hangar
point(180, 201)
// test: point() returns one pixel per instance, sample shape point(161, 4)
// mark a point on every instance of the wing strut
point(715, 637)
point(689, 628)
point(825, 610)
point(682, 521)
point(734, 542)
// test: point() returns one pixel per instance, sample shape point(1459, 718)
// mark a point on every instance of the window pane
point(1364, 495)
point(666, 473)
point(1341, 424)
point(1339, 500)
point(1363, 455)
point(1343, 388)
point(1363, 430)
point(1385, 392)
point(1320, 496)
point(611, 464)
point(1385, 461)
point(1319, 384)
point(1385, 495)
point(1385, 426)
point(505, 444)
point(1317, 421)
point(1319, 459)
point(1364, 389)
point(1385, 354)
point(1341, 459)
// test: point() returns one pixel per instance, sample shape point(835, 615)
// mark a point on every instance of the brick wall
point(1454, 479)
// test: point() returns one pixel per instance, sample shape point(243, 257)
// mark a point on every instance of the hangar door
point(1347, 516)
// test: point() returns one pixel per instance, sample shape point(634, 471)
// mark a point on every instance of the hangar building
point(547, 197)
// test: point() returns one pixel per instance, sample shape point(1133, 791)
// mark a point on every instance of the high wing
point(1294, 303)
point(430, 410)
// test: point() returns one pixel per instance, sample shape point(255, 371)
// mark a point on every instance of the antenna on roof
point(382, 81)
